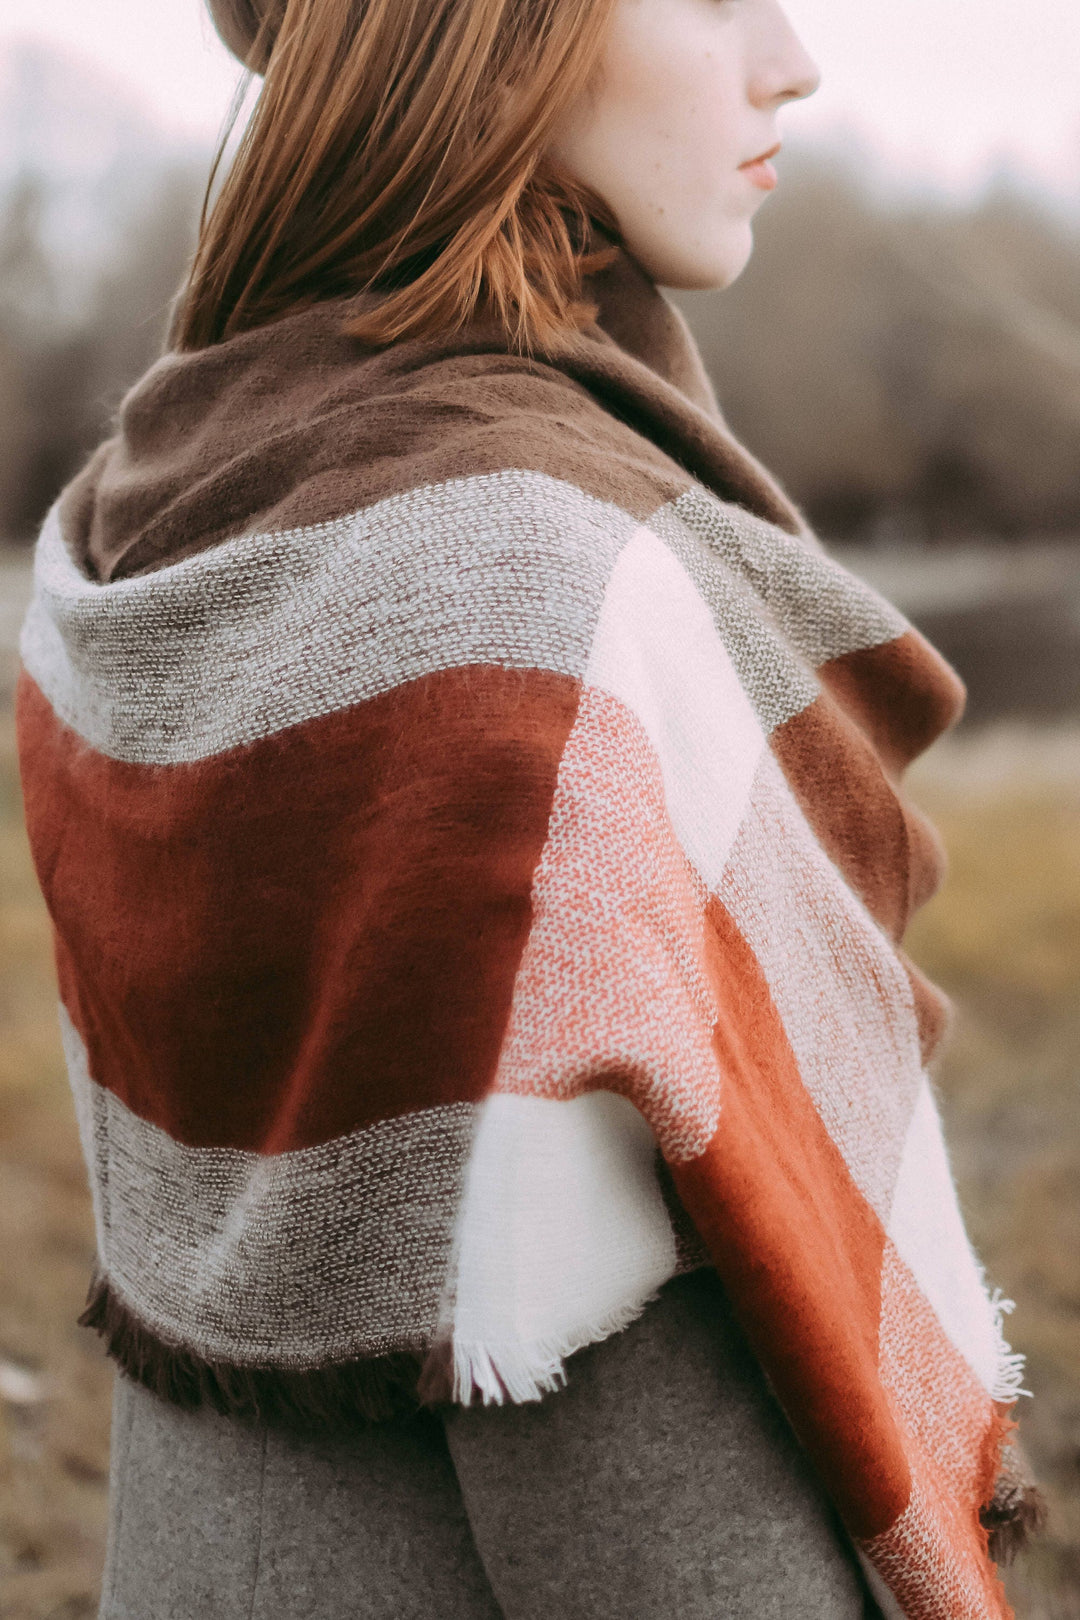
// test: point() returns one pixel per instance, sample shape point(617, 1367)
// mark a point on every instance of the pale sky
point(941, 88)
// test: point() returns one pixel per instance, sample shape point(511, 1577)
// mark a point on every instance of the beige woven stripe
point(266, 631)
point(823, 610)
point(510, 568)
point(319, 1255)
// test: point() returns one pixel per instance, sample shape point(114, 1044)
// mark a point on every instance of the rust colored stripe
point(887, 850)
point(902, 694)
point(281, 944)
point(797, 1245)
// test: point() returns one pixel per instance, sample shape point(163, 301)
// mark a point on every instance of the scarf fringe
point(312, 1400)
point(1010, 1363)
point(357, 1393)
point(1014, 1516)
point(524, 1371)
point(1014, 1510)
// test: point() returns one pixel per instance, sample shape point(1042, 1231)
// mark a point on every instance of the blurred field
point(54, 1384)
point(1003, 937)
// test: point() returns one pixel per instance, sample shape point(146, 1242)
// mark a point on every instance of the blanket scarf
point(467, 798)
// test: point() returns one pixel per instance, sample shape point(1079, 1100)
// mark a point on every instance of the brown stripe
point(902, 694)
point(346, 438)
point(887, 851)
point(295, 424)
point(798, 1247)
point(273, 947)
point(933, 1009)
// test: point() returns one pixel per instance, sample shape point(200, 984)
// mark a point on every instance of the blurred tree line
point(68, 355)
point(909, 371)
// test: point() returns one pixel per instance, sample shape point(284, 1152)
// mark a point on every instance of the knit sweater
point(468, 800)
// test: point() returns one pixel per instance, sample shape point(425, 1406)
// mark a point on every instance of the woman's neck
point(636, 315)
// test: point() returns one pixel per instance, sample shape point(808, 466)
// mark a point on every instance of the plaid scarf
point(467, 799)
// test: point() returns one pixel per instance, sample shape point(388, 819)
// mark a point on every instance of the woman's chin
point(698, 266)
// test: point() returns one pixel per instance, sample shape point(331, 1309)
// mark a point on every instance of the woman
point(467, 800)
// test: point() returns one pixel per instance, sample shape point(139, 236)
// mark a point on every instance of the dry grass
point(1004, 937)
point(53, 1449)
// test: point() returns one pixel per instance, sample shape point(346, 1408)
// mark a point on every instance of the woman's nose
point(791, 73)
point(805, 78)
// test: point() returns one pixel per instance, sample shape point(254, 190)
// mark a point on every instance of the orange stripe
point(797, 1245)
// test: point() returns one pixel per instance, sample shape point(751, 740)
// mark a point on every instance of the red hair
point(398, 145)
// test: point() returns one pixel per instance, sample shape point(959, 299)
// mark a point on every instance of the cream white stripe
point(927, 1228)
point(564, 1238)
point(657, 650)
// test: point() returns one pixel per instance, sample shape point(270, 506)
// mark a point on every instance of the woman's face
point(685, 94)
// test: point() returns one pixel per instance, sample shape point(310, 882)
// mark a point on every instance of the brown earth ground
point(1003, 937)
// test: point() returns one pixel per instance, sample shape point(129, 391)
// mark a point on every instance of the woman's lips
point(760, 171)
point(760, 174)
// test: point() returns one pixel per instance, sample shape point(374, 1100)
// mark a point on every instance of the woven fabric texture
point(469, 803)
